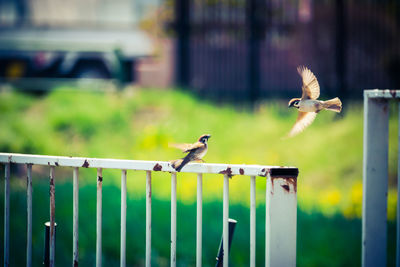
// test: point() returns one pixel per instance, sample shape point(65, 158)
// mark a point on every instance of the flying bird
point(195, 152)
point(308, 105)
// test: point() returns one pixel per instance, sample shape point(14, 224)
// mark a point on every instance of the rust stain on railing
point(157, 167)
point(85, 164)
point(288, 174)
point(227, 172)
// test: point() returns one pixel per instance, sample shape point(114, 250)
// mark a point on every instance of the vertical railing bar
point(52, 217)
point(99, 213)
point(148, 218)
point(252, 221)
point(173, 219)
point(199, 224)
point(123, 218)
point(75, 257)
point(226, 221)
point(267, 189)
point(6, 214)
point(29, 215)
point(398, 199)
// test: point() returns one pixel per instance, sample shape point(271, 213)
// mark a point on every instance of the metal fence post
point(220, 256)
point(46, 252)
point(280, 221)
point(375, 181)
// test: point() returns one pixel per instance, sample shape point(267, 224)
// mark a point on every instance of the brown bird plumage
point(195, 151)
point(308, 105)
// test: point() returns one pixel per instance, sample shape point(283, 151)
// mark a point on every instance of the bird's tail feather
point(176, 163)
point(179, 163)
point(334, 104)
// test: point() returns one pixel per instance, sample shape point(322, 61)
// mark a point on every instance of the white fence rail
point(281, 205)
point(375, 178)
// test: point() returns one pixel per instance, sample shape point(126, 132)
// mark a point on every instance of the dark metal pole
point(341, 45)
point(46, 254)
point(182, 25)
point(253, 51)
point(22, 12)
point(220, 256)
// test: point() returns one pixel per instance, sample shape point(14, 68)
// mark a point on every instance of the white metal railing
point(281, 205)
point(375, 178)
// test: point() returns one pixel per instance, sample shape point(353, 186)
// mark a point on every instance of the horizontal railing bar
point(386, 93)
point(228, 169)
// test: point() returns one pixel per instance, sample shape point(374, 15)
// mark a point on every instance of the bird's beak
point(208, 135)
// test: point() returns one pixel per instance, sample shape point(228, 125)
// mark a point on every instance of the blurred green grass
point(139, 124)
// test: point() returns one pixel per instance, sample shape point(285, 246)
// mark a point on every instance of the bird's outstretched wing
point(310, 85)
point(303, 121)
point(187, 147)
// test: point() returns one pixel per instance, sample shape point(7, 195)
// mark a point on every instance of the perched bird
point(308, 105)
point(196, 152)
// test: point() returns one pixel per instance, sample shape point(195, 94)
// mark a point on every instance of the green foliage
point(139, 124)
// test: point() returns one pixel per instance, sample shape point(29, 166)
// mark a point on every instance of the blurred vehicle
point(39, 53)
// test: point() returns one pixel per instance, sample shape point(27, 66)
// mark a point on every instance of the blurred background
point(123, 79)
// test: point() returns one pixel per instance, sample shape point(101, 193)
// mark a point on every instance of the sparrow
point(308, 105)
point(195, 151)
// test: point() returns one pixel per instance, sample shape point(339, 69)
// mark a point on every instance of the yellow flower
point(329, 201)
point(354, 208)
